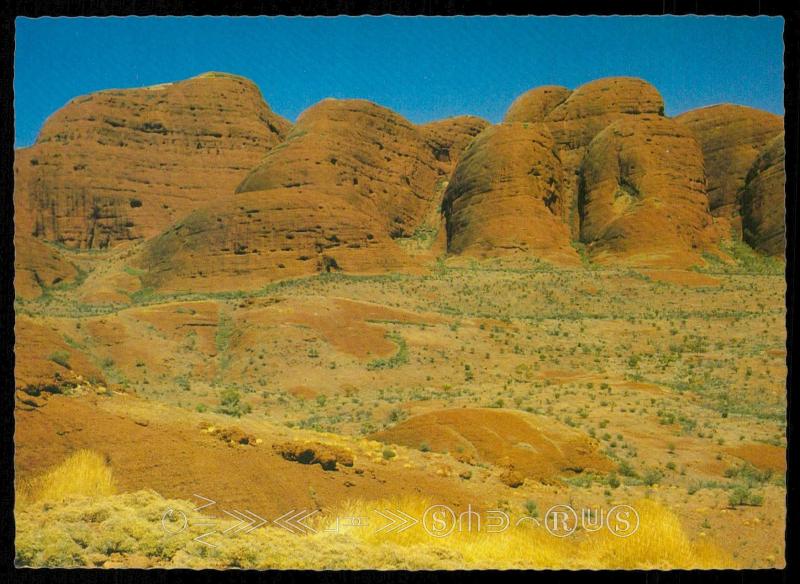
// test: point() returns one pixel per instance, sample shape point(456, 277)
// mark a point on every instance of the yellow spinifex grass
point(84, 473)
point(72, 517)
point(659, 543)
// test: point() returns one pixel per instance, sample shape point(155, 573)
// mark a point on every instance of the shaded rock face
point(585, 113)
point(361, 153)
point(121, 165)
point(536, 104)
point(261, 236)
point(350, 179)
point(448, 138)
point(763, 200)
point(643, 196)
point(490, 199)
point(731, 137)
point(505, 195)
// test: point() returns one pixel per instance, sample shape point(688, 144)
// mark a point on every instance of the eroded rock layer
point(38, 266)
point(506, 195)
point(261, 236)
point(361, 153)
point(122, 165)
point(536, 104)
point(643, 194)
point(763, 200)
point(351, 179)
point(731, 137)
point(448, 138)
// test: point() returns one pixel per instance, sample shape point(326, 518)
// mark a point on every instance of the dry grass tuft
point(659, 543)
point(85, 473)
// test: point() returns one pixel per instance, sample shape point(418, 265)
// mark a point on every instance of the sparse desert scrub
point(708, 378)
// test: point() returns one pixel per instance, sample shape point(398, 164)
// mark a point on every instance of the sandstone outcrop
point(122, 165)
point(731, 137)
point(763, 200)
point(506, 195)
point(360, 153)
point(229, 195)
point(350, 179)
point(38, 267)
point(536, 104)
point(643, 198)
point(448, 138)
point(586, 112)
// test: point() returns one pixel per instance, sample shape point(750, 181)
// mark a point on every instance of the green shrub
point(742, 495)
point(61, 357)
point(230, 403)
point(531, 508)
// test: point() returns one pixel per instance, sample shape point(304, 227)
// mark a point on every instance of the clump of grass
point(745, 261)
point(531, 508)
point(61, 358)
point(399, 358)
point(659, 543)
point(85, 473)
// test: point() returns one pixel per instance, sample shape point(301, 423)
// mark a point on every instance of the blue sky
point(423, 68)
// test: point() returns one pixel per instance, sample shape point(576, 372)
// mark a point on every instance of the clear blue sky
point(424, 68)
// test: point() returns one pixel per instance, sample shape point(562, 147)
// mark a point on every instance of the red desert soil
point(762, 456)
point(529, 445)
point(178, 458)
point(351, 327)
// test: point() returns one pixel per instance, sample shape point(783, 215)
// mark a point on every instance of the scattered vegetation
point(399, 358)
point(230, 403)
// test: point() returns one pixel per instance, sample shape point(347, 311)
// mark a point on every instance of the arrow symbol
point(293, 521)
point(247, 521)
point(208, 504)
point(398, 521)
point(259, 521)
point(199, 539)
point(244, 521)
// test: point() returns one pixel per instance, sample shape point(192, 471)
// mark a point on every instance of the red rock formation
point(763, 200)
point(350, 179)
point(586, 112)
point(120, 165)
point(38, 266)
point(360, 152)
point(643, 198)
point(505, 195)
point(447, 138)
point(536, 104)
point(731, 137)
